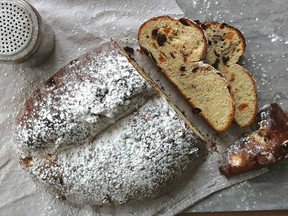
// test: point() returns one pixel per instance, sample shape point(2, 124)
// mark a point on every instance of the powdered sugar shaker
point(25, 38)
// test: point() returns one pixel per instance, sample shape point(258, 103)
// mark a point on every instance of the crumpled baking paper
point(80, 26)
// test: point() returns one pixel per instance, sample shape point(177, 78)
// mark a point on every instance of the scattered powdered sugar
point(274, 38)
point(135, 158)
point(95, 91)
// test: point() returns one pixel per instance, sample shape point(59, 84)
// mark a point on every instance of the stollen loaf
point(97, 133)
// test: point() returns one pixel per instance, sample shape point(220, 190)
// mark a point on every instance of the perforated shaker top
point(18, 30)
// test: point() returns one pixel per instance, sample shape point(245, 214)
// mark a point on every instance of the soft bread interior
point(173, 41)
point(178, 58)
point(225, 43)
point(207, 92)
point(244, 92)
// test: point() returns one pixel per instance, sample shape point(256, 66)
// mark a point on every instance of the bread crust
point(261, 148)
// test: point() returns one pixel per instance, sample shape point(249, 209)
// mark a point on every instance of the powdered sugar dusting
point(135, 158)
point(95, 91)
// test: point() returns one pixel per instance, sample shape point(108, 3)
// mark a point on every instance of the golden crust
point(261, 148)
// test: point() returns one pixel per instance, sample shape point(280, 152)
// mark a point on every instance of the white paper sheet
point(80, 26)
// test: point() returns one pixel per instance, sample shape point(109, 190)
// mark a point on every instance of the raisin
point(218, 55)
point(223, 25)
point(197, 22)
point(61, 181)
point(196, 111)
point(182, 68)
point(172, 54)
point(154, 33)
point(209, 42)
point(73, 62)
point(61, 197)
point(194, 70)
point(184, 22)
point(225, 59)
point(129, 50)
point(51, 82)
point(161, 39)
point(194, 86)
point(204, 27)
point(216, 63)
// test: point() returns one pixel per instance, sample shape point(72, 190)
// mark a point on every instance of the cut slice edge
point(145, 75)
point(208, 93)
point(243, 89)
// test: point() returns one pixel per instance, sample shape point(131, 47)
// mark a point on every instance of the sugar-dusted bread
point(226, 45)
point(176, 47)
point(243, 89)
point(77, 103)
point(96, 133)
point(261, 148)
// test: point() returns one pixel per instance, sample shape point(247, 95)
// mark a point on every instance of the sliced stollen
point(226, 45)
point(243, 89)
point(130, 54)
point(260, 148)
point(177, 47)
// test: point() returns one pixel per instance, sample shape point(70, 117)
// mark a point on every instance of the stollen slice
point(226, 45)
point(177, 47)
point(243, 89)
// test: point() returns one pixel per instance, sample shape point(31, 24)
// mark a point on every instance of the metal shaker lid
point(19, 31)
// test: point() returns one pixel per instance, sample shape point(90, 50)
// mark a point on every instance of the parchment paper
point(79, 26)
